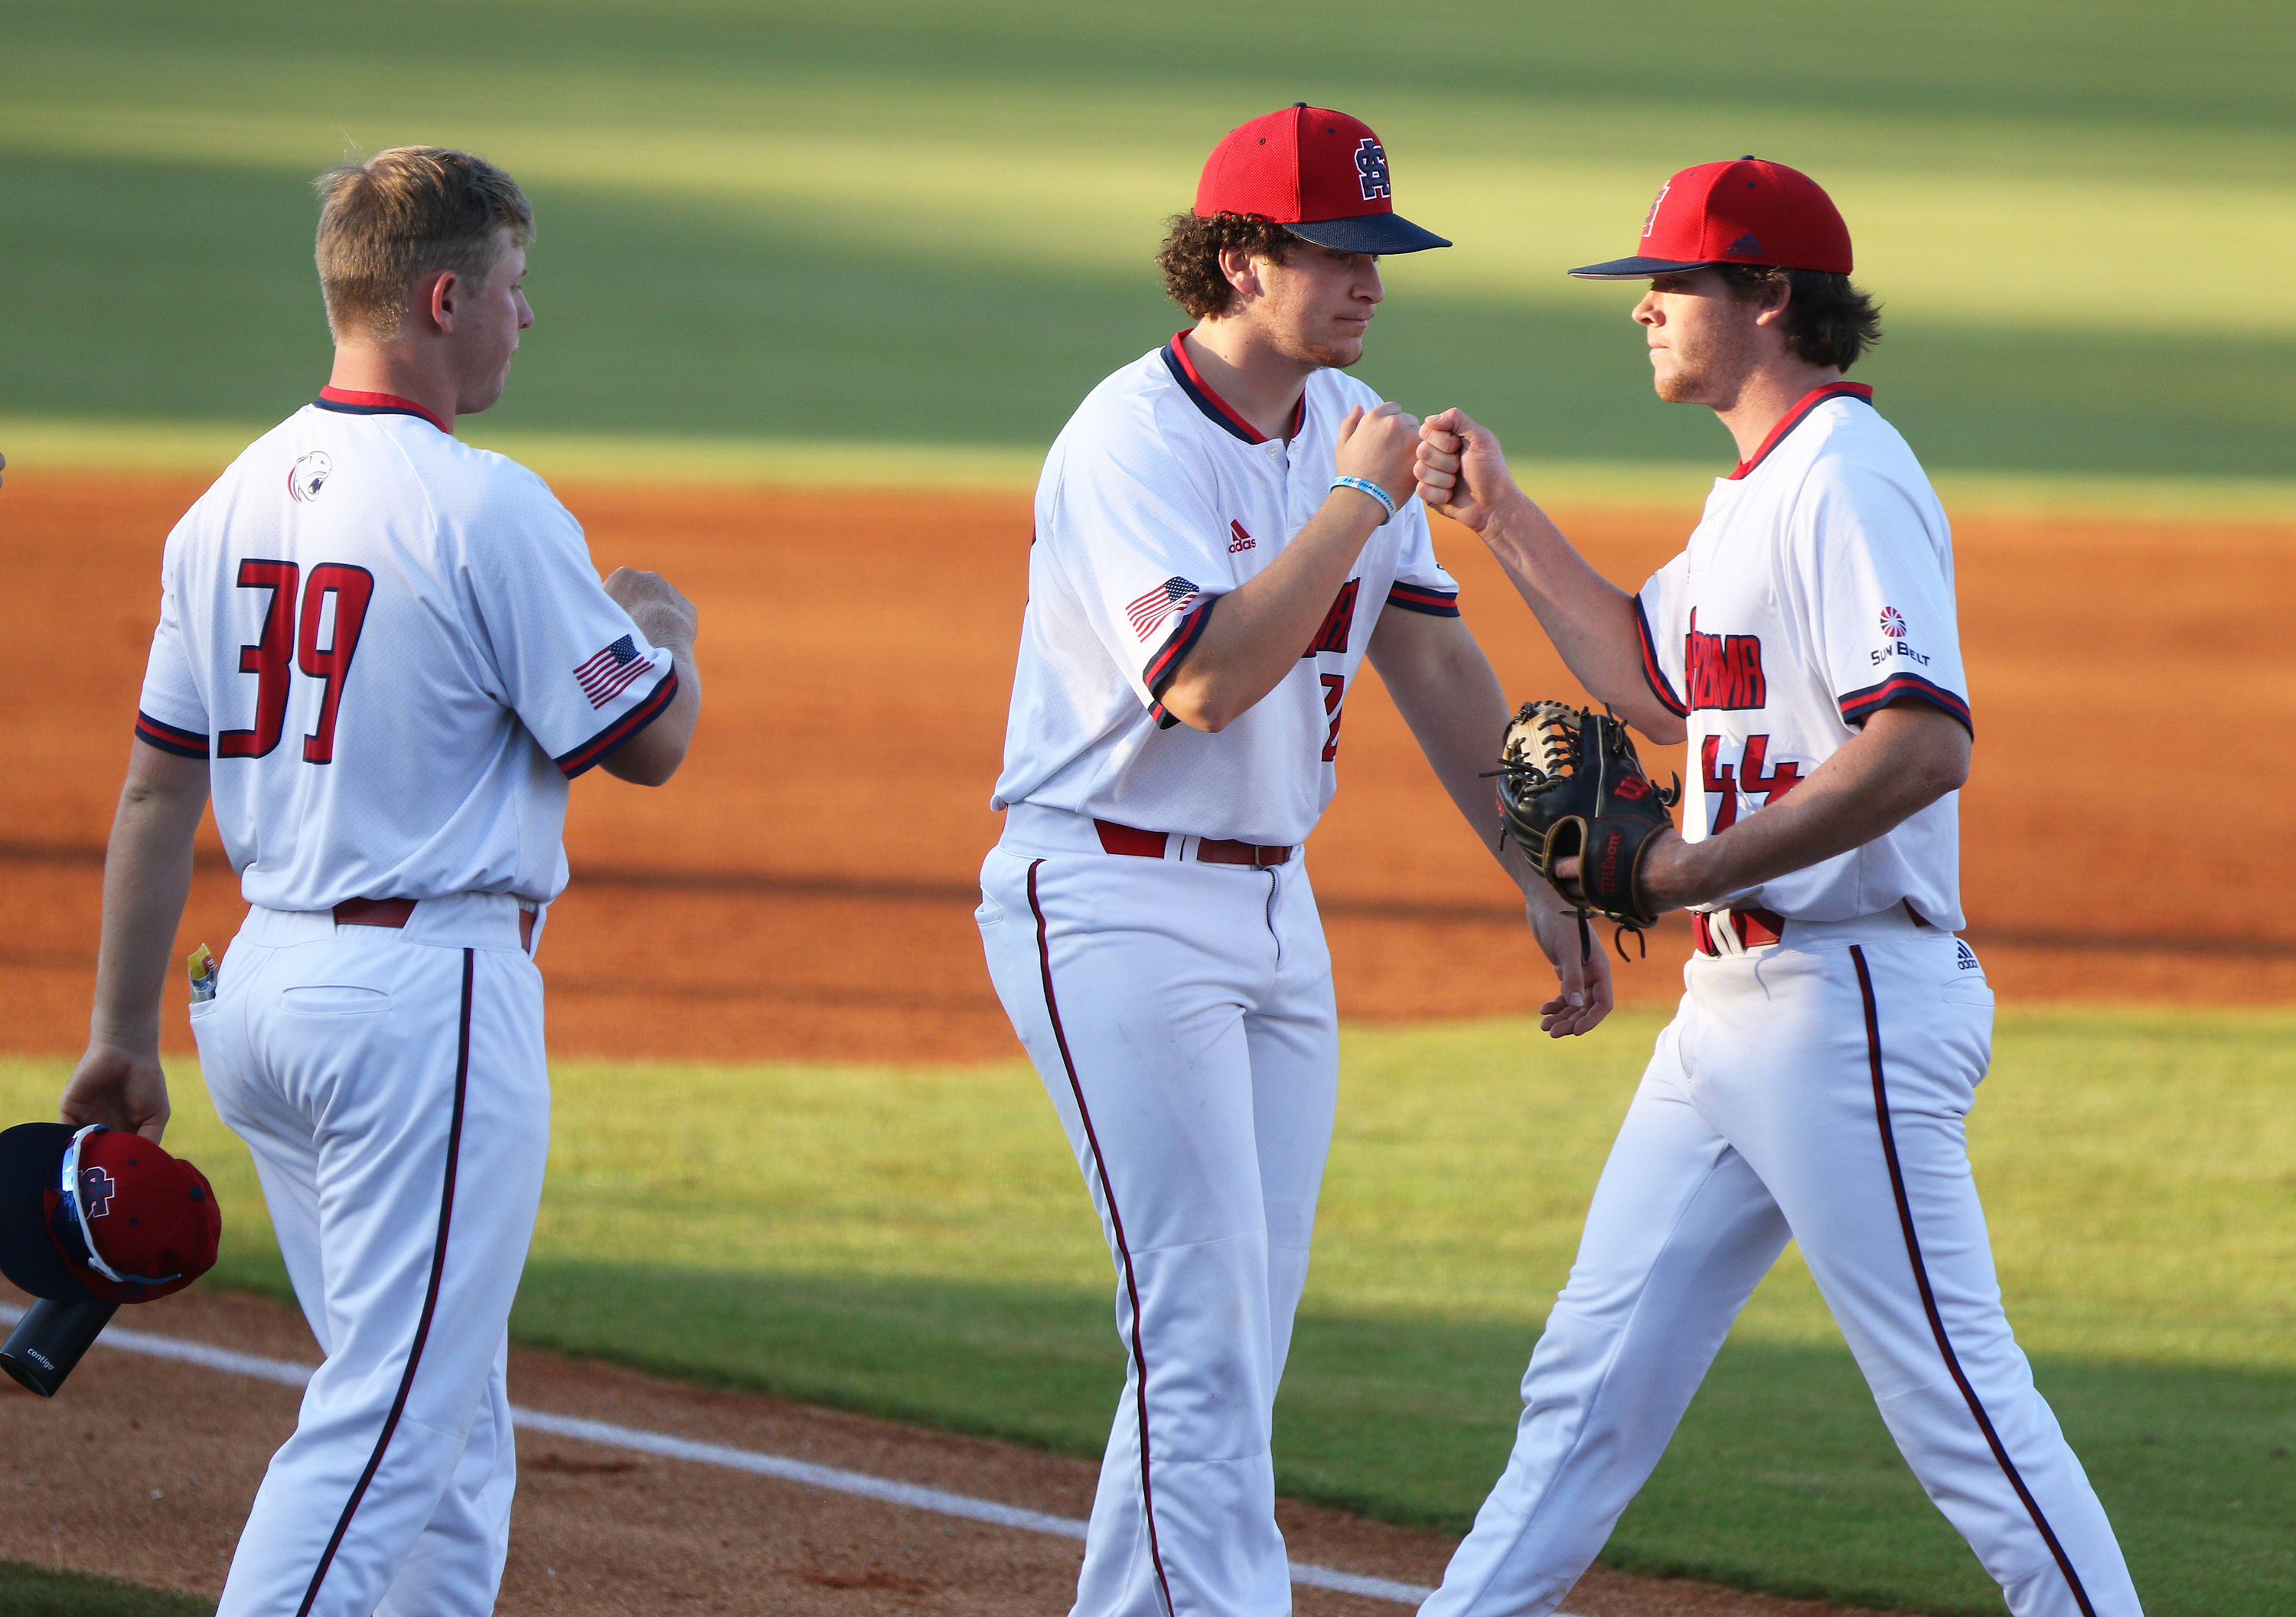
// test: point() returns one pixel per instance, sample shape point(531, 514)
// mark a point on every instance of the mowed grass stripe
point(915, 1242)
point(906, 225)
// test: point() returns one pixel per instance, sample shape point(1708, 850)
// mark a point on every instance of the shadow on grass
point(752, 339)
point(1782, 1478)
point(32, 1591)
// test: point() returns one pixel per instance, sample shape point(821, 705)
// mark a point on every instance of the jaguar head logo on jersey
point(1893, 623)
point(1371, 165)
point(308, 475)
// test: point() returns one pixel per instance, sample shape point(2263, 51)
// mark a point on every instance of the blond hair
point(386, 223)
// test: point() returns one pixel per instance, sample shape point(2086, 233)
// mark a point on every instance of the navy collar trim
point(343, 401)
point(1794, 417)
point(1215, 408)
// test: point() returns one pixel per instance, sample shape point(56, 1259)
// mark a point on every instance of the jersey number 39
point(290, 641)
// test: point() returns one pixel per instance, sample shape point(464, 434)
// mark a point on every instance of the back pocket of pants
point(333, 999)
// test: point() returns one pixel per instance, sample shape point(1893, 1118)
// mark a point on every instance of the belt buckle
point(1718, 936)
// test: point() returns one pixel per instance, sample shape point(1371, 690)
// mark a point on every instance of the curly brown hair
point(1191, 254)
point(1829, 322)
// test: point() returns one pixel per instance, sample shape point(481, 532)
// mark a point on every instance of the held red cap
point(1321, 175)
point(130, 1208)
point(1748, 212)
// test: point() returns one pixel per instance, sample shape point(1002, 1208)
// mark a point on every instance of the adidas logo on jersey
point(1243, 541)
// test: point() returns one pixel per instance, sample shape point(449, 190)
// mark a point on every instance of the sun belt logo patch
point(1893, 624)
point(1371, 165)
point(308, 475)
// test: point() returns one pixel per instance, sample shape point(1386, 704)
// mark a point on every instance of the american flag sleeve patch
point(607, 674)
point(1159, 604)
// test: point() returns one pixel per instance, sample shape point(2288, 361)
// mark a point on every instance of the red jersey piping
point(1208, 401)
point(1793, 418)
point(379, 402)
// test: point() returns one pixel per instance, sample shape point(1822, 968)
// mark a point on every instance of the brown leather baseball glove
point(1571, 785)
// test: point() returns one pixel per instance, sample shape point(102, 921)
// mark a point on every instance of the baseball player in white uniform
point(1224, 531)
point(382, 655)
point(1814, 1082)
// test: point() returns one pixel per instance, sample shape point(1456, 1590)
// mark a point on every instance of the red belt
point(1151, 845)
point(1752, 927)
point(395, 913)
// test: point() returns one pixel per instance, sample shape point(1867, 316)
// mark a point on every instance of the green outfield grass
point(900, 222)
point(32, 1591)
point(915, 1241)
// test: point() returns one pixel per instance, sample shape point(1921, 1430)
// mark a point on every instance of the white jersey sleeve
point(171, 713)
point(567, 659)
point(1663, 614)
point(1882, 607)
point(1141, 544)
point(1421, 585)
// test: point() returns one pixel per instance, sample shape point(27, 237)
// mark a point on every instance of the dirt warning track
point(804, 888)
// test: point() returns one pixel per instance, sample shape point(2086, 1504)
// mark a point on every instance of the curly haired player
point(1815, 1081)
point(384, 655)
point(1224, 531)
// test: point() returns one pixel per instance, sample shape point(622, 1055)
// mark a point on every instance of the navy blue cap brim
point(1368, 232)
point(1637, 269)
point(29, 1154)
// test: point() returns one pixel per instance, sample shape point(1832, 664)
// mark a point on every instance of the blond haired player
point(1814, 1082)
point(382, 655)
point(1225, 532)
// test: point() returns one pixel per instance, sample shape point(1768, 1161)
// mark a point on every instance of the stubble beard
point(1709, 370)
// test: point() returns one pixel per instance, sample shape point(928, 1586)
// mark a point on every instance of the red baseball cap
point(1745, 212)
point(100, 1215)
point(1320, 173)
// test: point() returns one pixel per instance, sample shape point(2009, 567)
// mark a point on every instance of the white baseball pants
point(1181, 1017)
point(1815, 1088)
point(392, 1088)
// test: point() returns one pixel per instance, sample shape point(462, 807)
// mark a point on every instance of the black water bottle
point(49, 1340)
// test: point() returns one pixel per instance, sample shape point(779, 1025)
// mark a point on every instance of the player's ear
point(1241, 270)
point(435, 295)
point(1771, 310)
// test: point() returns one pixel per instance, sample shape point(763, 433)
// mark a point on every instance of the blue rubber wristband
point(1373, 490)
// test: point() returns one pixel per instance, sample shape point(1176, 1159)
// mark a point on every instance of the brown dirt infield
point(803, 888)
point(605, 1532)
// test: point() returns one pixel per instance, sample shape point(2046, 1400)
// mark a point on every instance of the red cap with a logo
point(1321, 175)
point(102, 1215)
point(1745, 212)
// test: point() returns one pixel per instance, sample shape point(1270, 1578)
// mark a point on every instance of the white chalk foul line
point(287, 1373)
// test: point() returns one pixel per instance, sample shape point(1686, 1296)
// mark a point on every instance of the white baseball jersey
point(1156, 500)
point(1817, 591)
point(395, 653)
